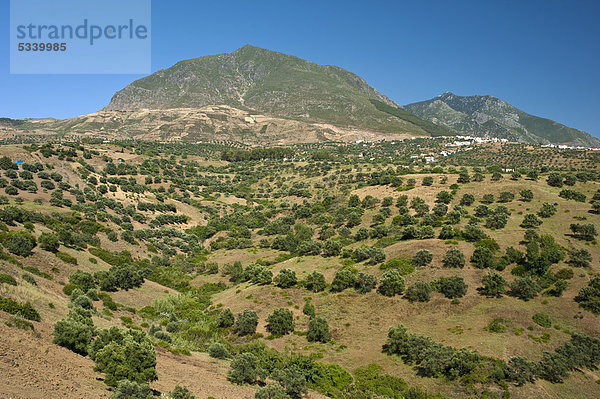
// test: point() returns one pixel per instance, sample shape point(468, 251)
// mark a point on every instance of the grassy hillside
point(212, 259)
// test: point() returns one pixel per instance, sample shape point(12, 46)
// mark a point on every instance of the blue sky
point(541, 56)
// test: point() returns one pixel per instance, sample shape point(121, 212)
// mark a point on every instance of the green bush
point(124, 354)
point(180, 393)
point(318, 330)
point(24, 310)
point(218, 351)
point(451, 287)
point(291, 380)
point(246, 323)
point(271, 391)
point(454, 258)
point(7, 279)
point(132, 390)
point(423, 257)
point(280, 322)
point(245, 369)
point(65, 257)
point(542, 319)
point(286, 278)
point(418, 292)
point(74, 333)
point(342, 280)
point(391, 283)
point(315, 282)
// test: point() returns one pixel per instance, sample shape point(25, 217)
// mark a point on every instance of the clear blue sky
point(541, 56)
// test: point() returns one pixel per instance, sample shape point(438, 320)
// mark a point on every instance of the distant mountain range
point(490, 116)
point(295, 100)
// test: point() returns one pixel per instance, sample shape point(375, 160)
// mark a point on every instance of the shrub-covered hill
point(344, 271)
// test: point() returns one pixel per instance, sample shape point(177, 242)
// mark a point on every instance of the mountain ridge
point(267, 82)
point(486, 115)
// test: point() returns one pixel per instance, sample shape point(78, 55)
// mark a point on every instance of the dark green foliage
point(245, 369)
point(286, 278)
point(423, 257)
point(454, 258)
point(482, 258)
point(473, 233)
point(25, 310)
point(580, 258)
point(82, 280)
point(365, 282)
point(526, 195)
point(119, 276)
point(451, 287)
point(18, 242)
point(494, 285)
point(315, 282)
point(555, 180)
point(542, 319)
point(280, 322)
point(246, 322)
point(318, 330)
point(585, 232)
point(391, 283)
point(180, 392)
point(271, 391)
point(431, 359)
point(520, 370)
point(530, 220)
point(467, 199)
point(218, 350)
point(418, 292)
point(309, 309)
point(226, 318)
point(49, 242)
point(343, 279)
point(572, 195)
point(589, 296)
point(524, 288)
point(75, 332)
point(332, 248)
point(7, 279)
point(547, 210)
point(124, 354)
point(129, 389)
point(292, 380)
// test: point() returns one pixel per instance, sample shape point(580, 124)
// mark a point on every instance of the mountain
point(490, 116)
point(272, 84)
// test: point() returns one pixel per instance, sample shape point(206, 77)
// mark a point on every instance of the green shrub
point(180, 393)
point(271, 391)
point(246, 323)
point(245, 369)
point(65, 257)
point(29, 278)
point(418, 292)
point(7, 279)
point(280, 322)
point(132, 390)
point(315, 282)
point(24, 310)
point(218, 351)
point(542, 319)
point(318, 330)
point(391, 283)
